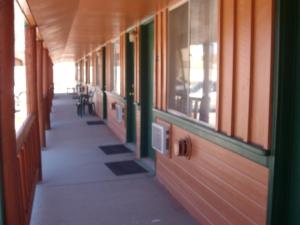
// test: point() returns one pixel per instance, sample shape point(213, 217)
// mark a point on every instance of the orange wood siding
point(260, 112)
point(118, 128)
point(100, 68)
point(216, 185)
point(98, 102)
point(93, 59)
point(246, 39)
point(138, 133)
point(87, 70)
point(108, 67)
point(160, 60)
point(99, 94)
point(81, 71)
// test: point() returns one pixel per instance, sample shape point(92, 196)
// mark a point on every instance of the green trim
point(275, 98)
point(117, 97)
point(283, 202)
point(253, 153)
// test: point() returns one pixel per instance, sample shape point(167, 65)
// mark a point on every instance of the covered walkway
point(78, 188)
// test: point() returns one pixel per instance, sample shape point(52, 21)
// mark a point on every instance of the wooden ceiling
point(73, 28)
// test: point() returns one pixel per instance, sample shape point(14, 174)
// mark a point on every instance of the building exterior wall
point(223, 182)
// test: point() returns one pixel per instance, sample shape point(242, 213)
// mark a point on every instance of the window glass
point(116, 68)
point(193, 89)
point(20, 90)
point(179, 59)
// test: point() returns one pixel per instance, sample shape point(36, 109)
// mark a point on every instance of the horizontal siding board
point(229, 211)
point(232, 185)
point(198, 202)
point(235, 197)
point(171, 187)
point(257, 172)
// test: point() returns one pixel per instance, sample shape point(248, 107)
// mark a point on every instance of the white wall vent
point(119, 113)
point(160, 136)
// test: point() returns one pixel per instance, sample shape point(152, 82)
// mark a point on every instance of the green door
point(130, 91)
point(104, 107)
point(294, 173)
point(146, 88)
point(284, 191)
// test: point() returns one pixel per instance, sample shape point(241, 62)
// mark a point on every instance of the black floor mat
point(96, 122)
point(114, 149)
point(125, 168)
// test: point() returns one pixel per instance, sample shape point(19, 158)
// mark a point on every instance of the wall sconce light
point(183, 148)
point(113, 105)
point(132, 36)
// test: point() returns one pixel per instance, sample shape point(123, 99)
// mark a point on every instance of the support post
point(9, 164)
point(32, 89)
point(40, 92)
point(45, 89)
point(31, 69)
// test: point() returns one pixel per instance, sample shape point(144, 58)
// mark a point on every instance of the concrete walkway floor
point(78, 189)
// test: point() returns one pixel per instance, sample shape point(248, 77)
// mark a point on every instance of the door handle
point(131, 94)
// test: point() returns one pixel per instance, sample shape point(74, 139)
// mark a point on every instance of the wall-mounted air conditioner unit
point(119, 113)
point(160, 138)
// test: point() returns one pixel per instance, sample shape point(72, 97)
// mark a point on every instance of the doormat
point(96, 122)
point(125, 168)
point(114, 149)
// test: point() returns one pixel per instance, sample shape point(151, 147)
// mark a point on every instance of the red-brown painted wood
point(40, 92)
point(46, 89)
point(31, 79)
point(9, 164)
point(28, 154)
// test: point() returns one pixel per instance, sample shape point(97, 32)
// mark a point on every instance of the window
point(193, 60)
point(116, 69)
point(20, 89)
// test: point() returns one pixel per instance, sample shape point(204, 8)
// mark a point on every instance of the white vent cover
point(160, 138)
point(119, 113)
